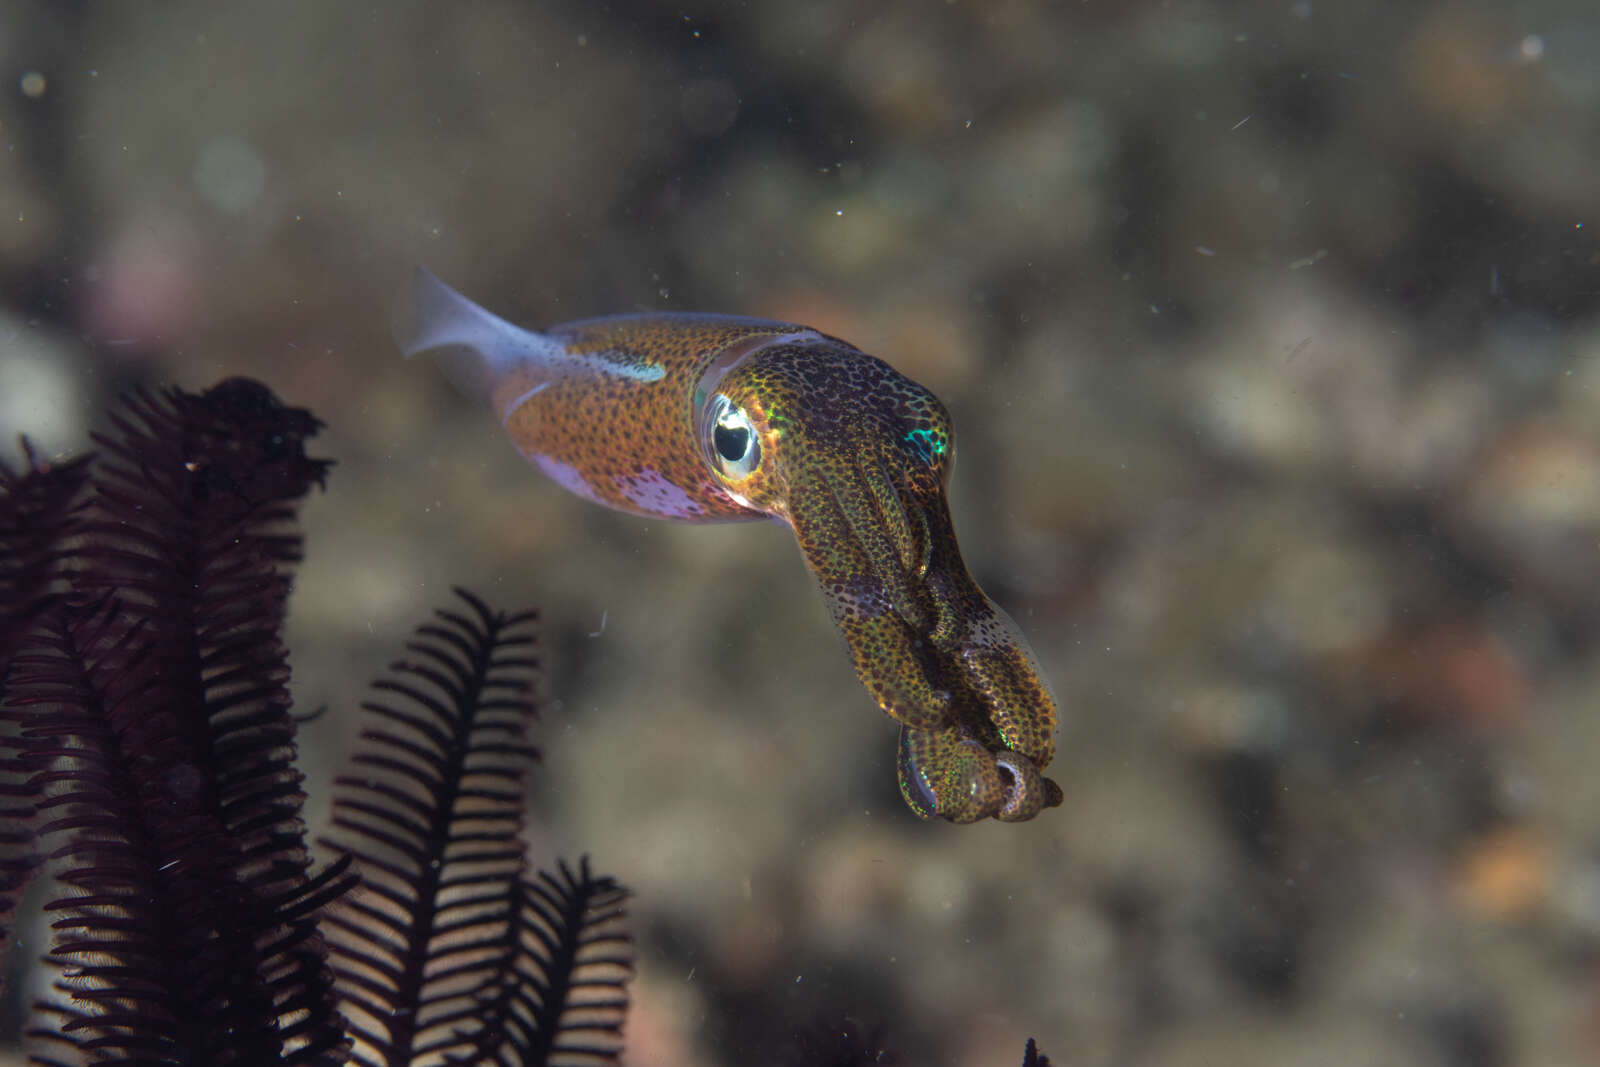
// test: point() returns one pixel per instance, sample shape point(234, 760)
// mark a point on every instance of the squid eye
point(733, 440)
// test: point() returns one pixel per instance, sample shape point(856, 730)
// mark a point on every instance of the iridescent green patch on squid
point(928, 443)
point(714, 417)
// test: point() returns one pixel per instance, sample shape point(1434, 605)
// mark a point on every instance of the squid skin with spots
point(713, 418)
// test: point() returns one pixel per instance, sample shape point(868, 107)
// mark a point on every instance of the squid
point(715, 418)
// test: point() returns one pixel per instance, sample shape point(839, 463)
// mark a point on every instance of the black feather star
point(151, 745)
point(153, 708)
point(36, 511)
point(448, 953)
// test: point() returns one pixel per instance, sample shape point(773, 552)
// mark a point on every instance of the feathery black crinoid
point(192, 529)
point(448, 952)
point(36, 509)
point(1032, 1057)
point(154, 714)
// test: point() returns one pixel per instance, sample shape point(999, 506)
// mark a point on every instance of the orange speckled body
point(708, 418)
point(626, 438)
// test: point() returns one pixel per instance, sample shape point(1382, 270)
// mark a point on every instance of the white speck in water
point(1532, 47)
point(1241, 122)
point(597, 633)
point(1204, 251)
point(32, 85)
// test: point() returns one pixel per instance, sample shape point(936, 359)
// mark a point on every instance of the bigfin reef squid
point(710, 418)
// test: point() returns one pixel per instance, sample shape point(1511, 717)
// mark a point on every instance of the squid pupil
point(731, 442)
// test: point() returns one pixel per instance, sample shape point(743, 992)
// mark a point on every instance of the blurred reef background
point(1271, 332)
